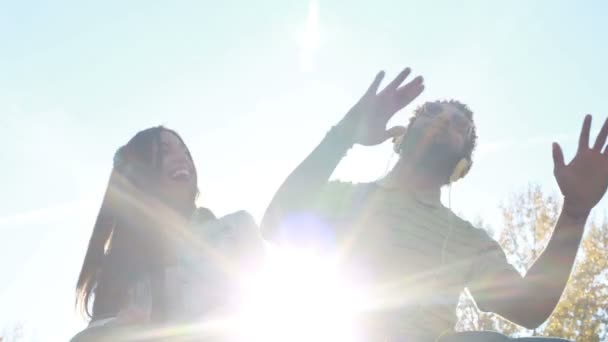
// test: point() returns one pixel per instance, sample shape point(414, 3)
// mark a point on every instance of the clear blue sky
point(252, 88)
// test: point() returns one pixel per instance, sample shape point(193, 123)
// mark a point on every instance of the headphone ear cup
point(398, 143)
point(460, 170)
point(467, 168)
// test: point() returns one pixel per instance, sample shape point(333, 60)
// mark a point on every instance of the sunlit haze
point(252, 87)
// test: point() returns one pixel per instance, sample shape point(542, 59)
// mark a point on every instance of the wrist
point(340, 137)
point(575, 212)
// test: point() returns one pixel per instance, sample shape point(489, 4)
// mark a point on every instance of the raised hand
point(584, 180)
point(366, 121)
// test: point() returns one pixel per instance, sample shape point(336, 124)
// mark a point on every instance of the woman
point(154, 257)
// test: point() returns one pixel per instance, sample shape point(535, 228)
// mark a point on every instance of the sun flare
point(299, 297)
point(309, 37)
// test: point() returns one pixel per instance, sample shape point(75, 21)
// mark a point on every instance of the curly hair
point(427, 108)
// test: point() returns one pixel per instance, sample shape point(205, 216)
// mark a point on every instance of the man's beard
point(437, 158)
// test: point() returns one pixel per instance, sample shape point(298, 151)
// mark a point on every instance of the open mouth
point(181, 175)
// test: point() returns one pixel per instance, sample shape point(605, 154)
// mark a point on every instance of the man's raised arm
point(365, 124)
point(529, 301)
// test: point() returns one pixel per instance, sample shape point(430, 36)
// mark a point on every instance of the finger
point(373, 88)
point(395, 132)
point(583, 141)
point(601, 137)
point(419, 80)
point(558, 156)
point(398, 80)
point(409, 92)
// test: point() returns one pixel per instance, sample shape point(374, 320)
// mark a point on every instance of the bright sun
point(299, 297)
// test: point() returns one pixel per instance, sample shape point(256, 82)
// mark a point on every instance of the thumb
point(395, 132)
point(558, 157)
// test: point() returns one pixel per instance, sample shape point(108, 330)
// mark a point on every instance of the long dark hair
point(128, 237)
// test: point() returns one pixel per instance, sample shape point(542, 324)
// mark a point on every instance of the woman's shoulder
point(98, 330)
point(236, 234)
point(202, 215)
point(238, 222)
point(239, 218)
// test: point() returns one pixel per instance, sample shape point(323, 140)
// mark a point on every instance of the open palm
point(584, 180)
point(366, 121)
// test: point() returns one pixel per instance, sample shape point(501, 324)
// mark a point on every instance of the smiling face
point(178, 179)
point(441, 134)
point(444, 125)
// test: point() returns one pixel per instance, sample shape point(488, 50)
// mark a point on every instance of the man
point(413, 253)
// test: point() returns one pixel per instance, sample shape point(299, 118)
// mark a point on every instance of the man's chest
point(406, 241)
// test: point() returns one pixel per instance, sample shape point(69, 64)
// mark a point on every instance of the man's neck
point(410, 178)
